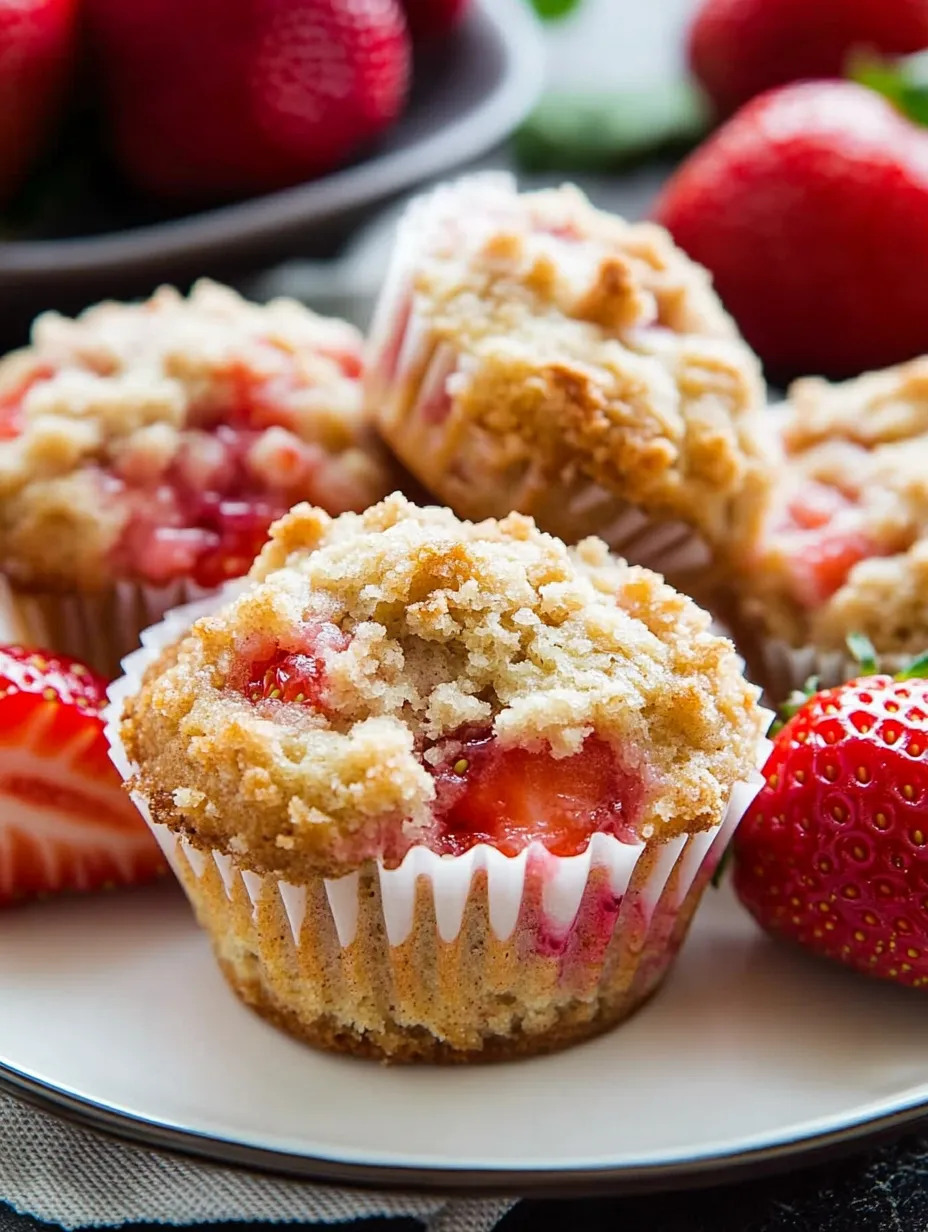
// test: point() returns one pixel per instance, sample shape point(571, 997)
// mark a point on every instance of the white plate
point(113, 1010)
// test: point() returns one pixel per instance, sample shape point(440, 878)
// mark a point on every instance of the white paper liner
point(98, 628)
point(451, 878)
point(408, 370)
point(787, 668)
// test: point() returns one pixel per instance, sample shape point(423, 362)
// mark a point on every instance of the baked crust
point(429, 626)
point(403, 1044)
point(582, 344)
point(123, 388)
point(861, 446)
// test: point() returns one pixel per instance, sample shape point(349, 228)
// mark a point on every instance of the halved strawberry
point(510, 797)
point(65, 821)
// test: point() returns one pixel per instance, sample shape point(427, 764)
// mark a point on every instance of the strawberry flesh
point(833, 853)
point(66, 824)
point(295, 673)
point(510, 797)
point(822, 530)
point(208, 515)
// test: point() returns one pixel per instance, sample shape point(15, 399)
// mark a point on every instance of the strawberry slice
point(510, 797)
point(66, 824)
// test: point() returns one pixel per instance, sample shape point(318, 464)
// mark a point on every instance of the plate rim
point(722, 1168)
point(375, 179)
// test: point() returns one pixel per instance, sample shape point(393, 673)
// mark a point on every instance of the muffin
point(532, 353)
point(146, 448)
point(844, 548)
point(439, 790)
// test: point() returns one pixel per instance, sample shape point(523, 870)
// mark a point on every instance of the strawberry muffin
point(845, 546)
point(439, 790)
point(146, 448)
point(532, 353)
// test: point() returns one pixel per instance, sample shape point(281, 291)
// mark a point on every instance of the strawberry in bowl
point(833, 853)
point(290, 89)
point(145, 449)
point(66, 824)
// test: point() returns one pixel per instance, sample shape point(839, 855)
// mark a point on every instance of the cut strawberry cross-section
point(65, 821)
point(510, 797)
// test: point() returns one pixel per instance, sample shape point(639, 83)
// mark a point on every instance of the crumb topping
point(160, 439)
point(583, 341)
point(846, 545)
point(306, 724)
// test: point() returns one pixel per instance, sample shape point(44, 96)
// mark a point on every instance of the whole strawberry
point(222, 98)
point(429, 19)
point(810, 210)
point(739, 48)
point(833, 853)
point(37, 46)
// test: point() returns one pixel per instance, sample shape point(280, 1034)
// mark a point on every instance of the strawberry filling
point(294, 674)
point(511, 797)
point(822, 527)
point(240, 466)
point(11, 403)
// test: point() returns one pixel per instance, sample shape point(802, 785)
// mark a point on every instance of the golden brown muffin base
point(474, 998)
point(406, 1045)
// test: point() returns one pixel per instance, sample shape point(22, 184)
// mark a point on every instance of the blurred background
point(269, 143)
point(85, 217)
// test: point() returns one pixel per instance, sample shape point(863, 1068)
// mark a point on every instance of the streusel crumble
point(316, 721)
point(531, 352)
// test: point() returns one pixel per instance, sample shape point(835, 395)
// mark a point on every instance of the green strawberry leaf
point(554, 10)
point(862, 650)
point(600, 132)
point(916, 670)
point(904, 81)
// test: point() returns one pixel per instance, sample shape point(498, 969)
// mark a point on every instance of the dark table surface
point(881, 1190)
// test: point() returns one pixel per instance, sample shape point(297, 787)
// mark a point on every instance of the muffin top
point(401, 677)
point(587, 342)
point(845, 549)
point(160, 440)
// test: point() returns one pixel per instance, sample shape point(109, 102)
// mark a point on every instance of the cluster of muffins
point(447, 781)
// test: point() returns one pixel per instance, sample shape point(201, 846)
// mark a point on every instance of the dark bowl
point(469, 92)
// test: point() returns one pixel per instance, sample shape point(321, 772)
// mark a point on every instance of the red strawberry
point(65, 821)
point(37, 44)
point(739, 48)
point(429, 19)
point(810, 209)
point(509, 797)
point(289, 674)
point(833, 853)
point(225, 97)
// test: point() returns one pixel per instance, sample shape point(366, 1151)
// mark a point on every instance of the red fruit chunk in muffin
point(511, 797)
point(159, 441)
point(401, 678)
point(822, 527)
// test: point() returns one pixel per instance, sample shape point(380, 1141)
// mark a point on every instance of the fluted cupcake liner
point(784, 668)
point(478, 955)
point(98, 627)
point(410, 381)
